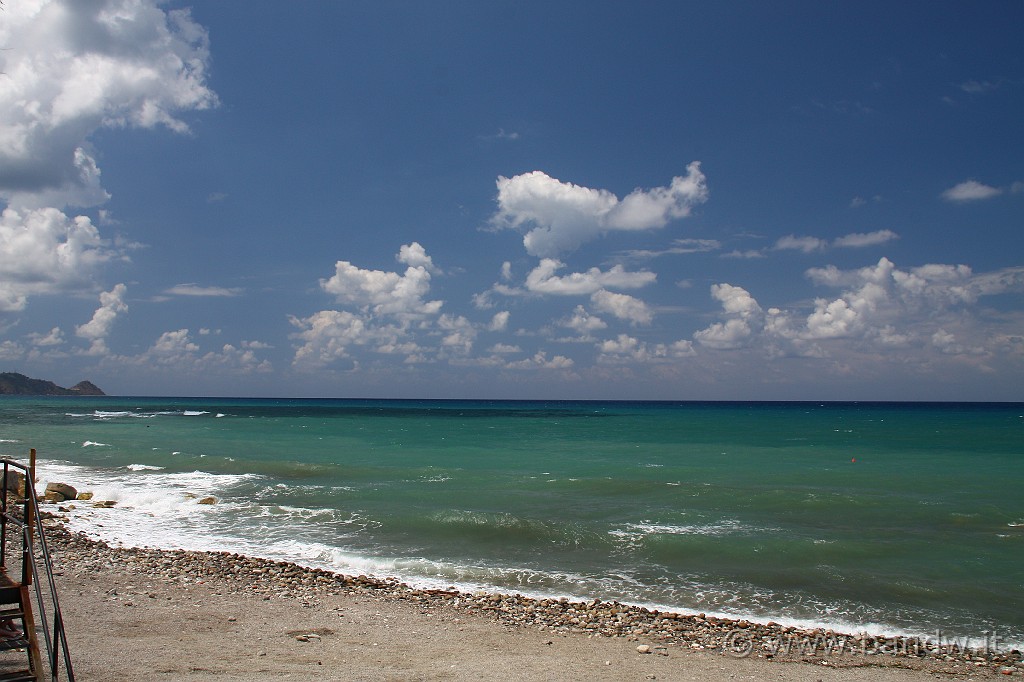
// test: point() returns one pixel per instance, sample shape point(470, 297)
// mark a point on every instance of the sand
point(145, 616)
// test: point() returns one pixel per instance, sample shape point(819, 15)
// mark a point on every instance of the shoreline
point(639, 638)
point(787, 631)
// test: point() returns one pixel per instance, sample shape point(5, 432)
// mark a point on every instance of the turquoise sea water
point(887, 517)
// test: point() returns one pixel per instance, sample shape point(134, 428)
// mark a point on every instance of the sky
point(532, 200)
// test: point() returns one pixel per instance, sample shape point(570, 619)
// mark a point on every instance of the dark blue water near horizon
point(900, 517)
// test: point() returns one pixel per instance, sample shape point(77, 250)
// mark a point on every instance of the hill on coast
point(12, 383)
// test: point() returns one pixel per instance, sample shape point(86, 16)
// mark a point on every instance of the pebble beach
point(136, 613)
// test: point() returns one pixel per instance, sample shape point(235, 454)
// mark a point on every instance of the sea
point(887, 518)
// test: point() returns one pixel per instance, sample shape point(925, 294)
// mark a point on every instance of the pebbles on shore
point(235, 573)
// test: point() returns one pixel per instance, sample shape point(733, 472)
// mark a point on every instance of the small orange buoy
point(854, 460)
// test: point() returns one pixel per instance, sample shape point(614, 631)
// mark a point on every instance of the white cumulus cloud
point(72, 67)
point(735, 300)
point(499, 322)
point(970, 190)
point(583, 322)
point(744, 315)
point(730, 334)
point(625, 348)
point(176, 352)
point(414, 255)
point(542, 279)
point(327, 335)
point(622, 306)
point(459, 334)
point(55, 337)
point(832, 319)
point(97, 329)
point(893, 308)
point(43, 251)
point(390, 309)
point(561, 216)
point(386, 293)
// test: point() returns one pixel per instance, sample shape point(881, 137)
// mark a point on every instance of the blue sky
point(656, 200)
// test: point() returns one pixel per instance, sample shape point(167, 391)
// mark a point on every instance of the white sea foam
point(153, 507)
point(91, 443)
point(104, 415)
point(298, 513)
point(637, 530)
point(153, 510)
point(107, 415)
point(423, 573)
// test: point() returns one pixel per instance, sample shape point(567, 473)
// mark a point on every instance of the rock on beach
point(59, 492)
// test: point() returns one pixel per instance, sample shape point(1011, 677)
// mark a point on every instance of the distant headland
point(12, 383)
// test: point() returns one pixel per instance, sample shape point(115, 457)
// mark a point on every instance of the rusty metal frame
point(35, 563)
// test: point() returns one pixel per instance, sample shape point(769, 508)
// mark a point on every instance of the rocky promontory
point(13, 383)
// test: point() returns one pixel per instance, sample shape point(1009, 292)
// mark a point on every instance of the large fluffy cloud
point(880, 306)
point(743, 313)
point(934, 285)
point(43, 251)
point(71, 67)
point(561, 216)
point(622, 306)
point(327, 335)
point(386, 293)
point(387, 305)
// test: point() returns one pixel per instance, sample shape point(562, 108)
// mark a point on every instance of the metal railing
point(23, 514)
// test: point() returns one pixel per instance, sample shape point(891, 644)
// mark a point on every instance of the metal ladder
point(27, 587)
